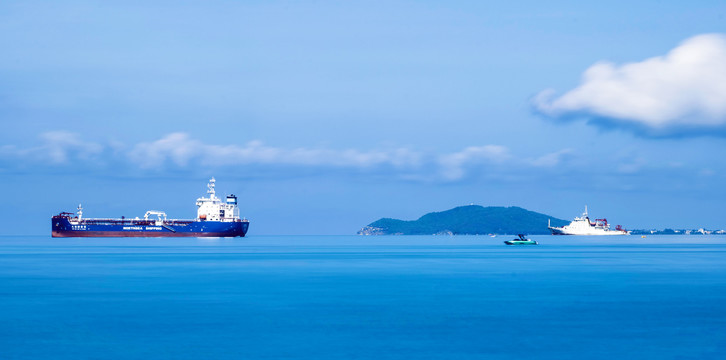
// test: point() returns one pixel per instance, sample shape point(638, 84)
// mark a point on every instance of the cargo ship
point(583, 226)
point(215, 218)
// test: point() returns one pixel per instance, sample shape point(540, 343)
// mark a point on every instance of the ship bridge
point(212, 208)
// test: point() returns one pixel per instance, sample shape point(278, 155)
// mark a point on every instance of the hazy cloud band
point(59, 149)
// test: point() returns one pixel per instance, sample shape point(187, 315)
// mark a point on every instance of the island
point(468, 220)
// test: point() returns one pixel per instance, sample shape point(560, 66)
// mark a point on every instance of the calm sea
point(341, 297)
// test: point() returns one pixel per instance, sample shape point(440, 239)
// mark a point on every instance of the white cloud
point(60, 146)
point(684, 89)
point(181, 151)
point(57, 147)
point(552, 159)
point(453, 165)
point(177, 147)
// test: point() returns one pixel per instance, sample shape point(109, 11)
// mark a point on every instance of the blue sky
point(325, 116)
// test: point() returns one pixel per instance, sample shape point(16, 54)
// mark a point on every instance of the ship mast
point(210, 189)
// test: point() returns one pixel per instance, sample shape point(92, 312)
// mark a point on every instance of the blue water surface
point(356, 297)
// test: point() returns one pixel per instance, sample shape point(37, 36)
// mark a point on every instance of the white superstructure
point(583, 226)
point(213, 208)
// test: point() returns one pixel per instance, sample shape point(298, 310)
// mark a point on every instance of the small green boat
point(521, 241)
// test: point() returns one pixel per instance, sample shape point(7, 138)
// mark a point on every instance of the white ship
point(583, 226)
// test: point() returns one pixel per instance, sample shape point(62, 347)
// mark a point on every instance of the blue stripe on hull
point(61, 227)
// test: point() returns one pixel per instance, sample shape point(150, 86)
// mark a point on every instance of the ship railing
point(117, 222)
point(178, 222)
point(234, 219)
point(65, 215)
point(139, 222)
point(132, 221)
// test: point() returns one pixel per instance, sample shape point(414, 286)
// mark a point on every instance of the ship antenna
point(210, 188)
point(585, 213)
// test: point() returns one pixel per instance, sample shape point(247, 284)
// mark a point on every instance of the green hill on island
point(470, 220)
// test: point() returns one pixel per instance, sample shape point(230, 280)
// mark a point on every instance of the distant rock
point(467, 220)
point(370, 230)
